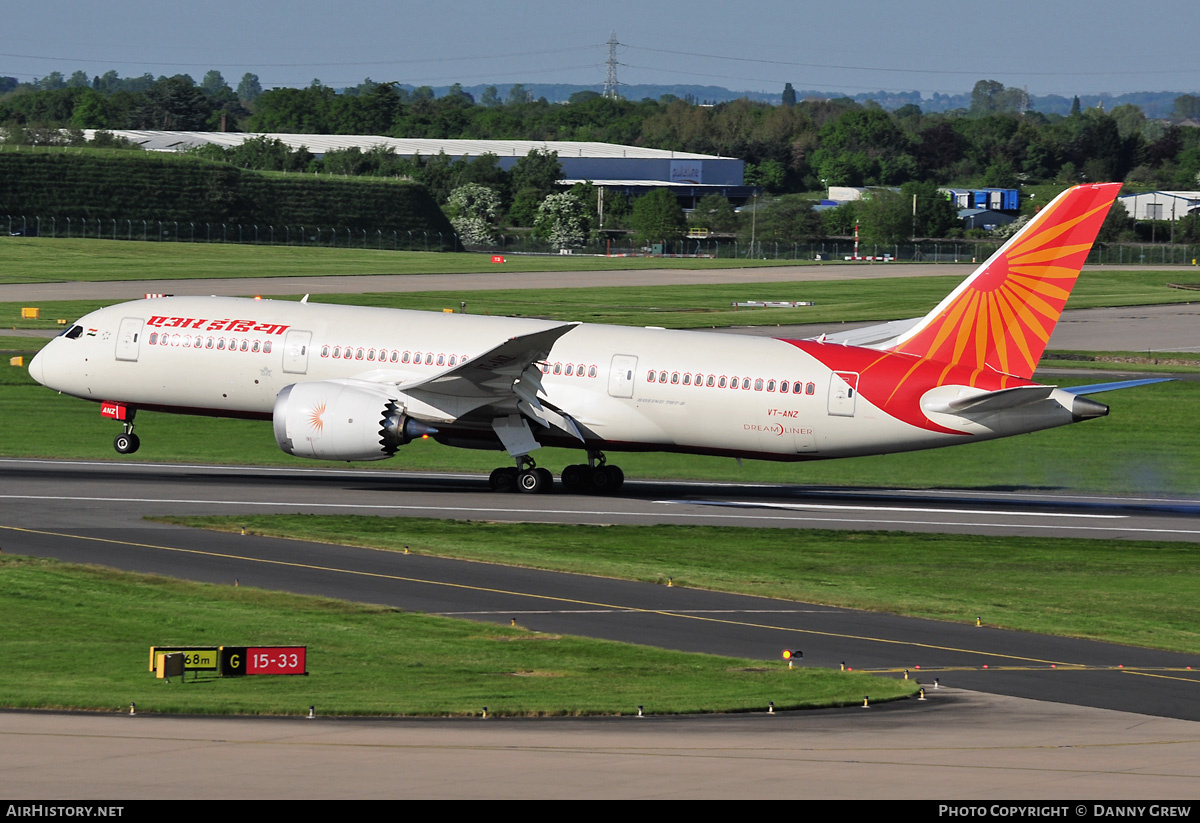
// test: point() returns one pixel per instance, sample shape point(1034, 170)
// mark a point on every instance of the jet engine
point(328, 420)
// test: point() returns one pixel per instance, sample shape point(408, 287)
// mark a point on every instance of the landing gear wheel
point(503, 480)
point(576, 478)
point(126, 443)
point(607, 479)
point(616, 478)
point(532, 481)
point(547, 480)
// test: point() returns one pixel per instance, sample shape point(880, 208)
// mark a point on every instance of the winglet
point(1002, 315)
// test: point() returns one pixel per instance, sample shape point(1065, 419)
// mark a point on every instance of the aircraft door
point(295, 351)
point(621, 375)
point(843, 388)
point(129, 335)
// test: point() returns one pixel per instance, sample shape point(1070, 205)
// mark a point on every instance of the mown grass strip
point(697, 306)
point(1138, 593)
point(52, 260)
point(78, 637)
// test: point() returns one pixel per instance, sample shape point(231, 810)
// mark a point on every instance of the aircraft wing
point(506, 376)
point(491, 375)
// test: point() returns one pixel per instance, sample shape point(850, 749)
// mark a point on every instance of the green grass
point(78, 637)
point(1137, 593)
point(51, 260)
point(702, 305)
point(1143, 361)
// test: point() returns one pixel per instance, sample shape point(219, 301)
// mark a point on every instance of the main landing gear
point(594, 476)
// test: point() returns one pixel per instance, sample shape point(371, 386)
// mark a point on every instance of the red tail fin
point(1002, 315)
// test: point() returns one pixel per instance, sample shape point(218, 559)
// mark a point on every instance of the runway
point(91, 512)
point(102, 495)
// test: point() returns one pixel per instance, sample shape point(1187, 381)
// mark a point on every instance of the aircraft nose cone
point(37, 368)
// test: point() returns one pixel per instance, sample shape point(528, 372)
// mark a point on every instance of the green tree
point(1187, 107)
point(885, 217)
point(519, 94)
point(473, 210)
point(490, 97)
point(213, 83)
point(935, 214)
point(562, 221)
point(788, 218)
point(715, 213)
point(249, 88)
point(657, 217)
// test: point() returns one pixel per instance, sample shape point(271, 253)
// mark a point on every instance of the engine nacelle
point(334, 421)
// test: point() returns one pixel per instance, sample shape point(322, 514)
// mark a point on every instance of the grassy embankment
point(78, 637)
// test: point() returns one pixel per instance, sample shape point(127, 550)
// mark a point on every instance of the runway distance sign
point(243, 660)
point(195, 658)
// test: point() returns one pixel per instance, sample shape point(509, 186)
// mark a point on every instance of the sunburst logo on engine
point(316, 418)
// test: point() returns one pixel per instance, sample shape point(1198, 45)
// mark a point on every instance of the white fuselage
point(625, 388)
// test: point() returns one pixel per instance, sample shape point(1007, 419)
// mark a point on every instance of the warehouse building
point(1161, 205)
point(631, 169)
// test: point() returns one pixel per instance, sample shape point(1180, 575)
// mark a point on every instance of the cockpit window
point(73, 332)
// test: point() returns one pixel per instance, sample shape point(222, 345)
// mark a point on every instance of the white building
point(1160, 205)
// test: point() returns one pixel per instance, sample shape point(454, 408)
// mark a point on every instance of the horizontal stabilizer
point(1096, 388)
point(875, 336)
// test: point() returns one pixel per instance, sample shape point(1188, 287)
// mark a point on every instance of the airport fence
point(928, 251)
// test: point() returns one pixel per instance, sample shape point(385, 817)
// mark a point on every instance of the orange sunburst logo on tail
point(1003, 315)
point(316, 418)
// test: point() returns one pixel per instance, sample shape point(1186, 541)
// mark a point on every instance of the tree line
point(794, 150)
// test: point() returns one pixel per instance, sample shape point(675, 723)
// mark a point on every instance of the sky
point(1064, 47)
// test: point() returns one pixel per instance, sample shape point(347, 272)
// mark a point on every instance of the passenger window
point(770, 385)
point(220, 344)
point(358, 354)
point(674, 378)
point(404, 357)
point(745, 382)
point(254, 347)
point(267, 347)
point(153, 338)
point(797, 388)
point(721, 383)
point(569, 370)
point(758, 384)
point(687, 379)
point(395, 355)
point(591, 371)
point(783, 386)
point(558, 368)
point(709, 381)
point(811, 388)
point(441, 360)
point(650, 376)
point(453, 359)
point(429, 358)
point(245, 345)
point(370, 354)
